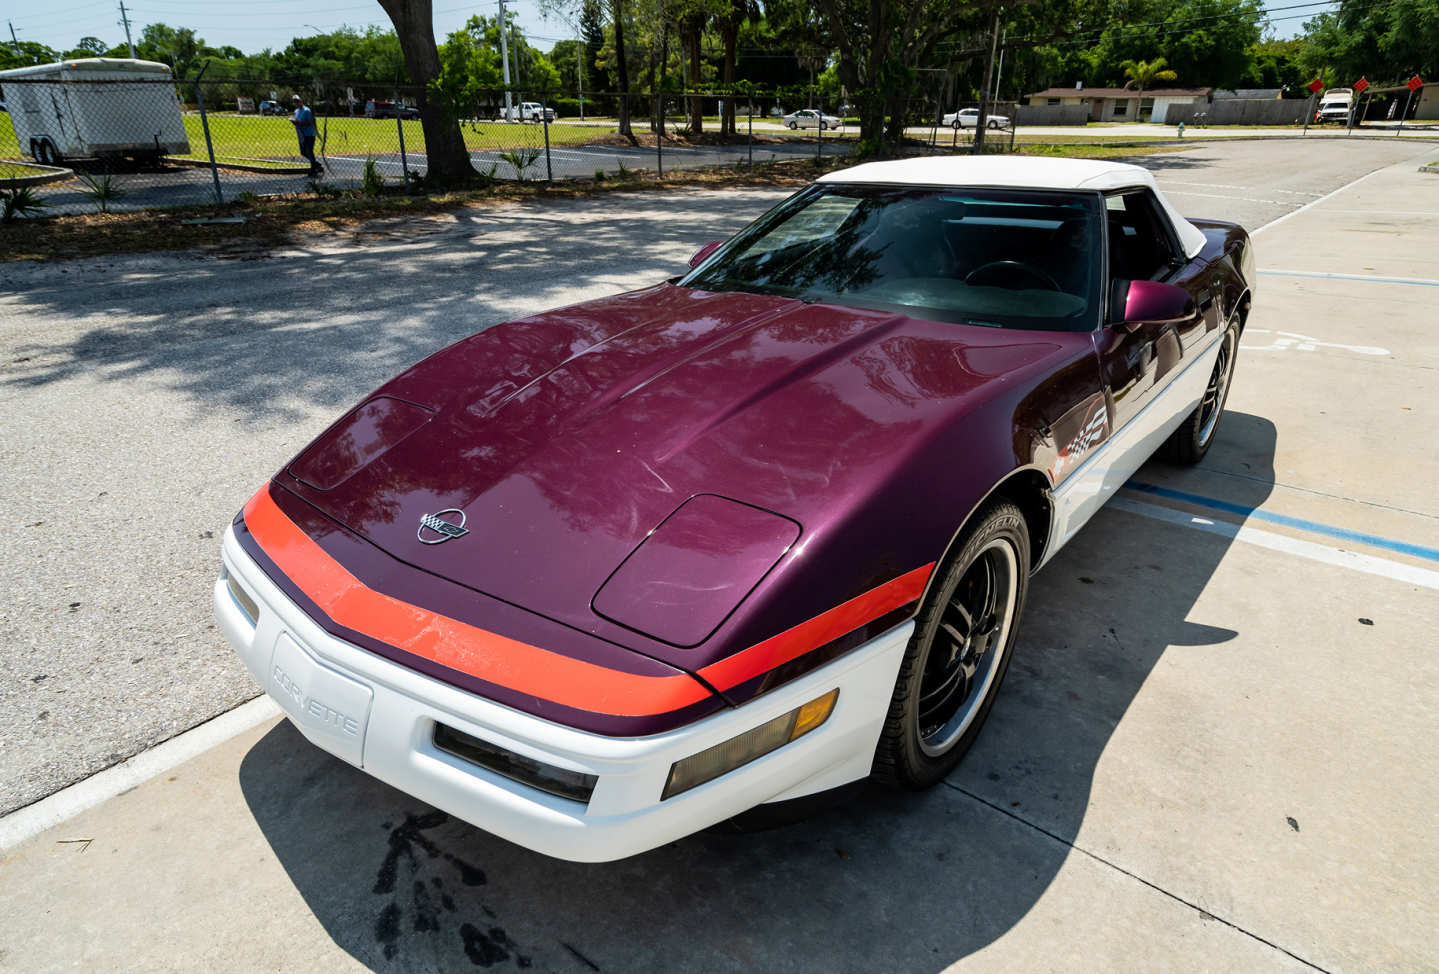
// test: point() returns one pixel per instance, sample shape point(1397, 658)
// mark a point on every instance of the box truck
point(95, 108)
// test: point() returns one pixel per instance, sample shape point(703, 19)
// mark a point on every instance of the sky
point(251, 26)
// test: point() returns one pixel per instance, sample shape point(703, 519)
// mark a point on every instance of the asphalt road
point(1214, 749)
point(176, 185)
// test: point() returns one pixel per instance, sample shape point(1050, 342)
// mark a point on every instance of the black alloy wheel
point(959, 652)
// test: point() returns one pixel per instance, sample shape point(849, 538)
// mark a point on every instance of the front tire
point(793, 126)
point(1197, 433)
point(994, 125)
point(958, 655)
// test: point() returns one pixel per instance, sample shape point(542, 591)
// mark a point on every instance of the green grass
point(9, 148)
point(14, 170)
point(250, 137)
point(254, 140)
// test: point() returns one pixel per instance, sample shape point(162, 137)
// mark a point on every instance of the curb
point(241, 167)
point(40, 179)
point(30, 820)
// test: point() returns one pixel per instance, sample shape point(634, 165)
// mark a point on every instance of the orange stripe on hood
point(530, 669)
point(449, 642)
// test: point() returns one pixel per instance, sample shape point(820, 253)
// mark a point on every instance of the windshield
point(1002, 258)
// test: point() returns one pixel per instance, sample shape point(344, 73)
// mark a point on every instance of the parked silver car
point(808, 118)
point(968, 118)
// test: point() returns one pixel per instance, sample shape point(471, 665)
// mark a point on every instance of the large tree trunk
point(693, 27)
point(622, 68)
point(448, 161)
point(730, 35)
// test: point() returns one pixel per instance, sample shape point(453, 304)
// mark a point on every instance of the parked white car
point(808, 118)
point(968, 118)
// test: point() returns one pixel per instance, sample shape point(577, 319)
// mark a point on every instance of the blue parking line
point(1354, 277)
point(1316, 527)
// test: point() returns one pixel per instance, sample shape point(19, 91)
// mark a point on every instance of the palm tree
point(1143, 74)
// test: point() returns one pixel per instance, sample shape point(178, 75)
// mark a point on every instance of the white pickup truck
point(528, 111)
point(1335, 105)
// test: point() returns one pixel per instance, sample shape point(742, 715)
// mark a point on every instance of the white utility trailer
point(95, 108)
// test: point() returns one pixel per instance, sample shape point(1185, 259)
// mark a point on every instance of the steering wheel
point(1012, 267)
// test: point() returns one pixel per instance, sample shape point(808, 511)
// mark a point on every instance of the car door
point(1138, 359)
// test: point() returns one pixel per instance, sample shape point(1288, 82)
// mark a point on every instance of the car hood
point(563, 440)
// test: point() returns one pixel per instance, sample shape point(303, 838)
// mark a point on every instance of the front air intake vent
point(574, 785)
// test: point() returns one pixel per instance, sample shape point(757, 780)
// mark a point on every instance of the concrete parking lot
point(1215, 749)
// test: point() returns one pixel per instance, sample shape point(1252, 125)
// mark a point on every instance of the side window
point(1139, 243)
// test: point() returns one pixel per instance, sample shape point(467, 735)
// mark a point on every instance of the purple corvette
point(601, 577)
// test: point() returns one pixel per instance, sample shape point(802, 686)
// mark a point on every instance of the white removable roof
point(1020, 172)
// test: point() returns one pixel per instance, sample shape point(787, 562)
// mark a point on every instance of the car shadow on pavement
point(883, 882)
point(270, 336)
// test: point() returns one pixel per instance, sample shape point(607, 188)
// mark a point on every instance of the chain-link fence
point(104, 144)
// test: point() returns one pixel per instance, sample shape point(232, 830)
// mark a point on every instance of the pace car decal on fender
point(531, 669)
point(1094, 432)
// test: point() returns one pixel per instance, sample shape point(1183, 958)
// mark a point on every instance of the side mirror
point(1138, 303)
point(703, 253)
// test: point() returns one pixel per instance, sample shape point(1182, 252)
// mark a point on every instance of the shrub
point(21, 201)
point(104, 190)
point(372, 182)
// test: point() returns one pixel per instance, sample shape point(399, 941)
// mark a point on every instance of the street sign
point(1315, 85)
point(1415, 83)
point(1360, 85)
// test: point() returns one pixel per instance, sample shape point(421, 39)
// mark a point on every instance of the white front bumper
point(380, 716)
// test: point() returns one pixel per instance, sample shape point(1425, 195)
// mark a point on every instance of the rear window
point(1001, 258)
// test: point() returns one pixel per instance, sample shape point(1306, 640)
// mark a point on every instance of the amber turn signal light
point(738, 751)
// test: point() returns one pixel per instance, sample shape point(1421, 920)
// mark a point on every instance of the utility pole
point(982, 123)
point(505, 62)
point(580, 53)
point(515, 48)
point(13, 42)
point(999, 71)
point(125, 22)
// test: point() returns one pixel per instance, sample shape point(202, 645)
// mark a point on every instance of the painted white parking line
point(1312, 203)
point(98, 788)
point(1340, 557)
point(1304, 343)
point(1165, 182)
point(1365, 278)
point(1225, 196)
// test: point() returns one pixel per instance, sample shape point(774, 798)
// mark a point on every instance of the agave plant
point(20, 201)
point(104, 190)
point(521, 160)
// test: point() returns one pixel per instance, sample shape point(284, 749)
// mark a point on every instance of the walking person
point(304, 122)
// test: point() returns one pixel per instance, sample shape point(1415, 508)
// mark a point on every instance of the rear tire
point(994, 125)
point(958, 655)
point(1197, 433)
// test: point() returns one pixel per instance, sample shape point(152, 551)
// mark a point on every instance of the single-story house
point(1161, 105)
